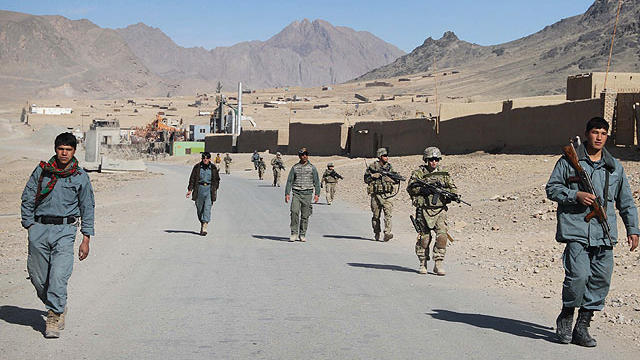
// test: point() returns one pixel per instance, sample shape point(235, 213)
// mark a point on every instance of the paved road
point(154, 289)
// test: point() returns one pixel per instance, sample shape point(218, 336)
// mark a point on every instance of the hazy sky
point(405, 24)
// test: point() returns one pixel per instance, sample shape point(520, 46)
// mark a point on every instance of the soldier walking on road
point(431, 209)
point(203, 185)
point(262, 167)
point(588, 254)
point(227, 164)
point(380, 188)
point(277, 166)
point(57, 195)
point(329, 181)
point(304, 182)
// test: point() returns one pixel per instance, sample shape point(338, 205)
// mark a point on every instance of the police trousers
point(50, 262)
point(587, 275)
point(301, 209)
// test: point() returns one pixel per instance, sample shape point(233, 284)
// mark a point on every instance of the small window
point(201, 131)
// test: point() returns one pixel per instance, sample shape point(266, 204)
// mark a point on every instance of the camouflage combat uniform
point(431, 212)
point(227, 164)
point(380, 189)
point(329, 181)
point(277, 166)
point(261, 168)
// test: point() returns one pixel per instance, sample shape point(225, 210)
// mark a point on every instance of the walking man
point(277, 166)
point(227, 164)
point(57, 195)
point(329, 181)
point(262, 167)
point(203, 185)
point(588, 254)
point(431, 209)
point(304, 182)
point(380, 188)
point(217, 160)
point(255, 158)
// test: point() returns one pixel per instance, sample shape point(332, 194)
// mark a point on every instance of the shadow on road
point(383, 267)
point(270, 237)
point(349, 237)
point(271, 186)
point(505, 325)
point(25, 317)
point(182, 232)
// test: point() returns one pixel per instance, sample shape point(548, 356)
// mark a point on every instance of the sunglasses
point(433, 159)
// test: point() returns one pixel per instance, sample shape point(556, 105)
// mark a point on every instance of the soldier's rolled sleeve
point(627, 207)
point(316, 181)
point(556, 189)
point(290, 178)
point(86, 204)
point(27, 208)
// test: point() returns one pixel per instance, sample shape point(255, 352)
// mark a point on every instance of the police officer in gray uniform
point(304, 181)
point(203, 183)
point(588, 254)
point(57, 195)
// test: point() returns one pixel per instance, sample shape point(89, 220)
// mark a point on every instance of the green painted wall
point(181, 148)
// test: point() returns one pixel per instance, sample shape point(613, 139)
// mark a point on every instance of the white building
point(43, 110)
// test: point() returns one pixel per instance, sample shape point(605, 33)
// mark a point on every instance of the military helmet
point(381, 151)
point(431, 152)
point(278, 153)
point(330, 165)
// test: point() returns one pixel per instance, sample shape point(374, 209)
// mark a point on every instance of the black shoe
point(581, 331)
point(564, 322)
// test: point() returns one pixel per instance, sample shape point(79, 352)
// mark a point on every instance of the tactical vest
point(303, 179)
point(379, 186)
point(431, 201)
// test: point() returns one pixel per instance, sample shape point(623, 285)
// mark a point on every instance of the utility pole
point(435, 72)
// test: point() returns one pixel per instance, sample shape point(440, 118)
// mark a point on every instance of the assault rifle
point(397, 178)
point(584, 181)
point(437, 189)
point(334, 174)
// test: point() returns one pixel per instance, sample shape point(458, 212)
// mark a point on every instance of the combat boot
point(293, 237)
point(203, 230)
point(564, 322)
point(52, 329)
point(423, 269)
point(581, 331)
point(376, 236)
point(438, 269)
point(387, 237)
point(303, 238)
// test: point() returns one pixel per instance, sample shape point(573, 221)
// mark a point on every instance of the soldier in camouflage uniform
point(227, 164)
point(261, 168)
point(277, 165)
point(431, 209)
point(329, 181)
point(380, 188)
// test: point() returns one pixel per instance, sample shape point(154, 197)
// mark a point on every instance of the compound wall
point(540, 129)
point(218, 143)
point(319, 139)
point(261, 140)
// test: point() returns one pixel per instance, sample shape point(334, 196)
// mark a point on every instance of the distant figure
point(255, 158)
point(304, 182)
point(227, 164)
point(431, 209)
point(217, 161)
point(329, 181)
point(380, 188)
point(277, 166)
point(262, 167)
point(588, 253)
point(57, 195)
point(203, 184)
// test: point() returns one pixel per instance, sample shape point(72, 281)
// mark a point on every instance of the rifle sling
point(605, 192)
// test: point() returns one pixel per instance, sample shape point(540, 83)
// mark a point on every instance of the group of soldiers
point(58, 199)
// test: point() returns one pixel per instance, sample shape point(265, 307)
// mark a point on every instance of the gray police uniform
point(50, 259)
point(304, 182)
point(203, 199)
point(588, 254)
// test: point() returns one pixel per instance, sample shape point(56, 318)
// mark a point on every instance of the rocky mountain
point(304, 53)
point(539, 63)
point(52, 55)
